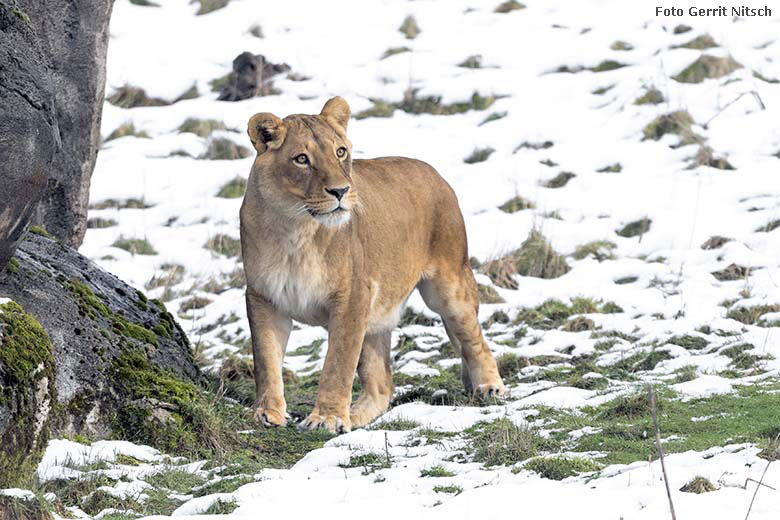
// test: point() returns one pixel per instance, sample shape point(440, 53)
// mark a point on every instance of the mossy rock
point(92, 319)
point(27, 394)
point(701, 42)
point(707, 67)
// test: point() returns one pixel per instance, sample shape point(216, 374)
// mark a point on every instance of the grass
point(392, 51)
point(698, 485)
point(689, 342)
point(652, 96)
point(370, 462)
point(707, 67)
point(128, 96)
point(751, 315)
point(135, 246)
point(194, 303)
point(479, 155)
point(413, 104)
point(126, 129)
point(705, 156)
point(222, 244)
point(472, 62)
point(100, 223)
point(515, 204)
point(380, 108)
point(488, 294)
point(396, 425)
point(409, 28)
point(494, 116)
point(451, 489)
point(131, 203)
point(168, 275)
point(701, 42)
point(175, 479)
point(676, 123)
point(621, 45)
point(599, 249)
point(508, 7)
point(503, 443)
point(612, 168)
point(201, 127)
point(607, 65)
point(559, 181)
point(535, 257)
point(224, 149)
point(233, 189)
point(561, 467)
point(221, 507)
point(437, 471)
point(635, 228)
point(224, 485)
point(208, 6)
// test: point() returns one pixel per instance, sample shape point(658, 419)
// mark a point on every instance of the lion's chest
point(292, 278)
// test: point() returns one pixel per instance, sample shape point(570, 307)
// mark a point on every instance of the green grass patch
point(126, 129)
point(479, 155)
point(233, 189)
point(201, 127)
point(223, 244)
point(135, 246)
point(451, 489)
point(370, 462)
point(437, 471)
point(561, 467)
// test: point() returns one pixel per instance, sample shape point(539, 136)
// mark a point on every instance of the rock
point(251, 77)
point(29, 137)
point(74, 39)
point(114, 358)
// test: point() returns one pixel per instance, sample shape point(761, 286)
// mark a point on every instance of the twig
point(760, 483)
point(756, 96)
point(387, 450)
point(653, 414)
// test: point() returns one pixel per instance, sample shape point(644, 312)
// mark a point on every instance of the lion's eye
point(301, 159)
point(341, 152)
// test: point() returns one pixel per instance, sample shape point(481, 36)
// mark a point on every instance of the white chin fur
point(335, 219)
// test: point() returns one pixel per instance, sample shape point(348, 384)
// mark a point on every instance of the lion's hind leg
point(452, 293)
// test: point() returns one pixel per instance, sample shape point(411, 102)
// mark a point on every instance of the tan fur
point(349, 265)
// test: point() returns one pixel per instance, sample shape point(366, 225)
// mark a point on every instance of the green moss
point(561, 467)
point(37, 230)
point(26, 362)
point(91, 305)
point(13, 265)
point(233, 189)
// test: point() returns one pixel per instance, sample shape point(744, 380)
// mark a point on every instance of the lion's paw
point(332, 423)
point(270, 417)
point(494, 390)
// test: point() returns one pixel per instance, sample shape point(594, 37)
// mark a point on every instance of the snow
point(167, 49)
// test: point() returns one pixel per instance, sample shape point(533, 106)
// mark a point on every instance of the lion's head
point(304, 163)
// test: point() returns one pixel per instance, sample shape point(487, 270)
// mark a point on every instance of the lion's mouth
point(335, 211)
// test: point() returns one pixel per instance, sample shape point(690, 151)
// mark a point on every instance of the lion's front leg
point(270, 330)
point(346, 329)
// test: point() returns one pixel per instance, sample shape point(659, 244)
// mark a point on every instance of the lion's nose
point(337, 192)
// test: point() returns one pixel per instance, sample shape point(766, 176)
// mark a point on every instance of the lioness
point(341, 243)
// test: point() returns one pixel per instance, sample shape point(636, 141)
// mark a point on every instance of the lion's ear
point(336, 112)
point(266, 131)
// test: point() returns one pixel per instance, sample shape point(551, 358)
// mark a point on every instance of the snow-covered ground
point(665, 287)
